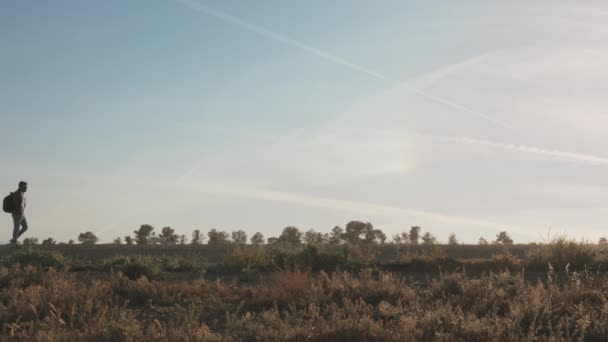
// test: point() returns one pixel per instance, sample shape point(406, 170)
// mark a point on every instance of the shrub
point(20, 277)
point(498, 263)
point(247, 257)
point(561, 252)
point(122, 326)
point(182, 264)
point(38, 258)
point(136, 292)
point(313, 258)
point(134, 267)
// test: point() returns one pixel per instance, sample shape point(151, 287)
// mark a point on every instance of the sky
point(470, 117)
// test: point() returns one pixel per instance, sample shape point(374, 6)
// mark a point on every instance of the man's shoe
point(13, 242)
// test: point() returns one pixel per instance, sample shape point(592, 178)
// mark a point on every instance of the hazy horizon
point(471, 117)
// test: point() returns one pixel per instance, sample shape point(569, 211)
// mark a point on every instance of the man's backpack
point(8, 205)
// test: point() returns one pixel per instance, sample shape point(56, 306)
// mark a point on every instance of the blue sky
point(468, 117)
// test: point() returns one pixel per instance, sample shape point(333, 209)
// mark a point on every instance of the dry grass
point(293, 299)
point(301, 306)
point(562, 252)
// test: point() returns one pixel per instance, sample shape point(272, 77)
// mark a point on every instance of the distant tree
point(428, 239)
point(380, 236)
point(336, 236)
point(143, 234)
point(257, 239)
point(48, 242)
point(374, 236)
point(183, 239)
point(356, 231)
point(603, 241)
point(402, 238)
point(290, 236)
point(312, 237)
point(197, 238)
point(414, 235)
point(128, 240)
point(217, 237)
point(452, 239)
point(30, 241)
point(482, 241)
point(239, 237)
point(503, 238)
point(168, 236)
point(87, 238)
point(71, 242)
point(272, 240)
point(117, 241)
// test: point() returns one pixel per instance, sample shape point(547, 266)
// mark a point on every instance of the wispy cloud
point(552, 153)
point(232, 189)
point(273, 35)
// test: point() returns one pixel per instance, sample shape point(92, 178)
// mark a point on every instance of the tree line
point(355, 232)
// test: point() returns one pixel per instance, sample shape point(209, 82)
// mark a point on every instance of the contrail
point(189, 173)
point(430, 78)
point(563, 155)
point(462, 108)
point(419, 85)
point(262, 31)
point(278, 37)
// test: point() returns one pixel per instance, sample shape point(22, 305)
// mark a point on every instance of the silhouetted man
point(20, 223)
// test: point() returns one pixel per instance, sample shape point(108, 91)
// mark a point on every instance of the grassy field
point(551, 292)
point(216, 253)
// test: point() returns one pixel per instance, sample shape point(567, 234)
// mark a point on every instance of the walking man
point(20, 223)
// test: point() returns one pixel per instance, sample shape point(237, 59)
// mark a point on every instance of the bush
point(561, 252)
point(315, 258)
point(181, 264)
point(122, 326)
point(20, 277)
point(134, 267)
point(309, 257)
point(242, 258)
point(37, 258)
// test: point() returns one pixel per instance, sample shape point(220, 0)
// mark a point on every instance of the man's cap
point(22, 183)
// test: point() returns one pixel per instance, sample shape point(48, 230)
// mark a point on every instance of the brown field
point(343, 293)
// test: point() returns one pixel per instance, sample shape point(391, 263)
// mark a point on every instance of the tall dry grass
point(295, 305)
point(310, 294)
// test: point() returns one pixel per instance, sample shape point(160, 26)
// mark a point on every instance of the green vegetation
point(37, 258)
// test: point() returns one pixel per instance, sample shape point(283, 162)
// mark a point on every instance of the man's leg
point(16, 225)
point(23, 226)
